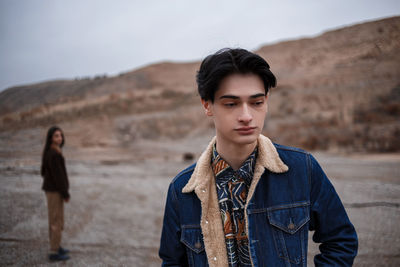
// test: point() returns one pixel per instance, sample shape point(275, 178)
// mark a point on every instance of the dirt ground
point(118, 195)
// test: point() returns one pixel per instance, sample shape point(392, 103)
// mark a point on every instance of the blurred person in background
point(248, 201)
point(55, 185)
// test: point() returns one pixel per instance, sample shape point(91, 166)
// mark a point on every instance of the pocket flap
point(192, 237)
point(289, 218)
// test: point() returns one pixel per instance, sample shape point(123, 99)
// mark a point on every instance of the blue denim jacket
point(291, 197)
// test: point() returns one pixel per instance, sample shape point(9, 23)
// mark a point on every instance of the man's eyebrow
point(257, 95)
point(229, 96)
point(236, 97)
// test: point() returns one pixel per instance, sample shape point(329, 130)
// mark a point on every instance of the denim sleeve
point(172, 251)
point(330, 222)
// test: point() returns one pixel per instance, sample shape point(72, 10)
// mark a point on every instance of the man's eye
point(258, 103)
point(230, 104)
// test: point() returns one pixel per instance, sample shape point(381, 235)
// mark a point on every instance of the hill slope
point(337, 91)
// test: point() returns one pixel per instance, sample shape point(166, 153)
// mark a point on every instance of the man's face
point(239, 109)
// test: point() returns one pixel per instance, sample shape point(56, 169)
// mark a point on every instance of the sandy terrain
point(115, 213)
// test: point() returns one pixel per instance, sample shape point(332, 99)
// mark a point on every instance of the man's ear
point(207, 107)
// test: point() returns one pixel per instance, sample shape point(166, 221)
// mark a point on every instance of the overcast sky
point(52, 39)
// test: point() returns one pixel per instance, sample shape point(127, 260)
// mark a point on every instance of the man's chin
point(246, 139)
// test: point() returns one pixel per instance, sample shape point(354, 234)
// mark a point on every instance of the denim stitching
point(275, 238)
point(188, 245)
point(190, 256)
point(278, 236)
point(286, 255)
point(303, 246)
point(291, 232)
point(283, 246)
point(292, 205)
point(288, 148)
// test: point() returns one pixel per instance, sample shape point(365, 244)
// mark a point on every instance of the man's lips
point(245, 130)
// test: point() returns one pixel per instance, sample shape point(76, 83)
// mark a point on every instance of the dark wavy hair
point(227, 61)
point(49, 140)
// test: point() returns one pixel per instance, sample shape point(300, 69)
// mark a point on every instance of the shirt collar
point(224, 172)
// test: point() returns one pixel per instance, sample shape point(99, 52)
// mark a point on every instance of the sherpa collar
point(268, 158)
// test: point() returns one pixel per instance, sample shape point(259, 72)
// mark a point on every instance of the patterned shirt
point(232, 189)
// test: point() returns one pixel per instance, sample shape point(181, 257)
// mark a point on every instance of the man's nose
point(245, 115)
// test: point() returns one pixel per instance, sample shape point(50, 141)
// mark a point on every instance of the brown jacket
point(55, 176)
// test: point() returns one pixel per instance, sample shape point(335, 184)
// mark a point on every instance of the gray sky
point(51, 39)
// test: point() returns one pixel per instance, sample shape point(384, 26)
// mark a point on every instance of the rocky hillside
point(338, 91)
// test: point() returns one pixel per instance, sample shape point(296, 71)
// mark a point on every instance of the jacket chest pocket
point(192, 238)
point(289, 230)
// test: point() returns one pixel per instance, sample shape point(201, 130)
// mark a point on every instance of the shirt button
point(206, 222)
point(215, 258)
point(203, 190)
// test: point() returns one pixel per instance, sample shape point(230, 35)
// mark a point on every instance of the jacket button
point(197, 245)
point(291, 226)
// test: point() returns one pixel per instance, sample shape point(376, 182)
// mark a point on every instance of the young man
point(248, 201)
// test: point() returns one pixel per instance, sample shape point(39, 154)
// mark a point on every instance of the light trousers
point(55, 206)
